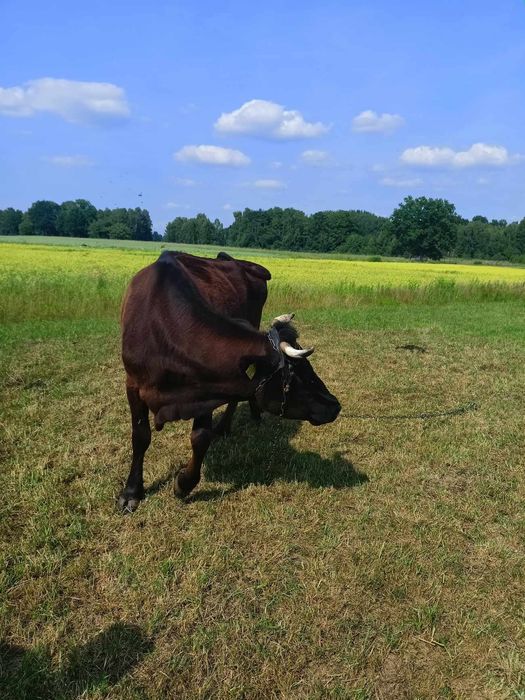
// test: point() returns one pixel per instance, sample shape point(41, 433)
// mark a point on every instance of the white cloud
point(269, 184)
point(227, 207)
point(370, 121)
point(73, 100)
point(268, 119)
point(400, 182)
point(212, 155)
point(185, 182)
point(188, 108)
point(70, 161)
point(478, 154)
point(176, 205)
point(317, 158)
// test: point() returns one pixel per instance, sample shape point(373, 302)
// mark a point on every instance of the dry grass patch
point(364, 559)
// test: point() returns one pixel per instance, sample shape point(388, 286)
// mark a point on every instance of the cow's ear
point(283, 318)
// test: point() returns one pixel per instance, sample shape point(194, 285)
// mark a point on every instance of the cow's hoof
point(129, 502)
point(183, 486)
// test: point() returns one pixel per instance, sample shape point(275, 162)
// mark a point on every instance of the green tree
point(119, 230)
point(74, 218)
point(479, 239)
point(132, 223)
point(354, 243)
point(10, 221)
point(138, 221)
point(469, 240)
point(294, 230)
point(520, 237)
point(365, 223)
point(204, 230)
point(174, 230)
point(25, 228)
point(250, 229)
point(218, 235)
point(99, 228)
point(43, 217)
point(424, 227)
point(318, 231)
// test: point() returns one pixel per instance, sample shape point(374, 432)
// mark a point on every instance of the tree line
point(418, 228)
point(78, 218)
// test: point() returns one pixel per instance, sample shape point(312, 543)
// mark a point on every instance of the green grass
point(370, 558)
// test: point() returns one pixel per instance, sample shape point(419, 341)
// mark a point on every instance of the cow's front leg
point(201, 436)
point(224, 425)
point(255, 410)
point(133, 492)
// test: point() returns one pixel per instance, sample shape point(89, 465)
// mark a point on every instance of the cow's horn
point(284, 318)
point(294, 352)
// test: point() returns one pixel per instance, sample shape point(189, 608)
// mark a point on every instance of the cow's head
point(291, 388)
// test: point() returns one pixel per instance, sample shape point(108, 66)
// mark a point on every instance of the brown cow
point(190, 343)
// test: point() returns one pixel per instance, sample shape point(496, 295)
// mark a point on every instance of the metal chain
point(287, 376)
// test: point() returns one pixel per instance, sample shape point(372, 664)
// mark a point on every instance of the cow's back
point(178, 299)
point(234, 288)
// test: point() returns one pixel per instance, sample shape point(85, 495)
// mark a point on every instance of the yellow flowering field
point(40, 281)
point(316, 271)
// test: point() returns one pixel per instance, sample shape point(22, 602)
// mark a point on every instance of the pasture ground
point(370, 558)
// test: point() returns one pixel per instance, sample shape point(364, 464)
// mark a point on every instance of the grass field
point(88, 282)
point(379, 557)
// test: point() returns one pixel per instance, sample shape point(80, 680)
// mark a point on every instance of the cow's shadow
point(29, 674)
point(261, 453)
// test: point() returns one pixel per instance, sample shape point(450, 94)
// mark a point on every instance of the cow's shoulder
point(177, 274)
point(255, 270)
point(248, 267)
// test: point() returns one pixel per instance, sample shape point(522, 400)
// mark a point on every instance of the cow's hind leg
point(133, 492)
point(255, 410)
point(201, 436)
point(224, 425)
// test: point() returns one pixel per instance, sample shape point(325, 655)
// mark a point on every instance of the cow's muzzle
point(325, 412)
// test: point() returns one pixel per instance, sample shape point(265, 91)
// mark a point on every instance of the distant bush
point(375, 258)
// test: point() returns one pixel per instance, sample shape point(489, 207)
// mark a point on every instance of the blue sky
point(213, 107)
